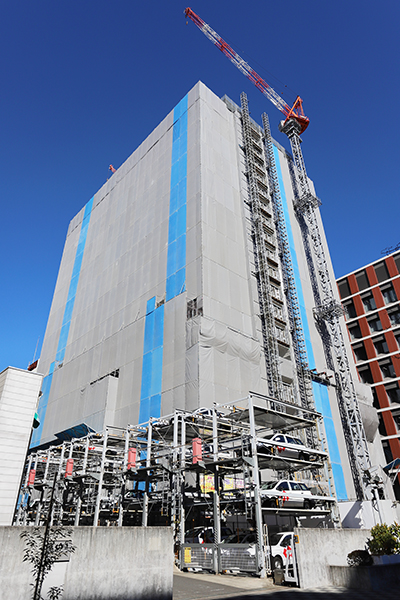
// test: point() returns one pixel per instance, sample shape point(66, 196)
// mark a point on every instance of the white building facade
point(19, 391)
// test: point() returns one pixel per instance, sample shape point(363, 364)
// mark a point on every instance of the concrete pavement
point(202, 586)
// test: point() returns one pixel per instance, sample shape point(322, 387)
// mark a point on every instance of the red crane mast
point(295, 112)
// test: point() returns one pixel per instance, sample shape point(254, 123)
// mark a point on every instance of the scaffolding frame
point(262, 256)
point(328, 311)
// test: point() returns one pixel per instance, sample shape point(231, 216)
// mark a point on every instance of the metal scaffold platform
point(215, 475)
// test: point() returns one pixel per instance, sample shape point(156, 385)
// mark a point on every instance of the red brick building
point(371, 299)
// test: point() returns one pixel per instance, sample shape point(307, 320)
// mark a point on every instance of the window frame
point(365, 298)
point(388, 288)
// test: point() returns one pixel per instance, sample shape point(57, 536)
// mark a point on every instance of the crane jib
point(296, 112)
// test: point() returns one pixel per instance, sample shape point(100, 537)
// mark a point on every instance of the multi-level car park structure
point(189, 470)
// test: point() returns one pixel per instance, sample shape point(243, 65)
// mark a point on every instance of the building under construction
point(196, 277)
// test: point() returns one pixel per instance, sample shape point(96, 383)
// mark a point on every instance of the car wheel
point(308, 504)
point(303, 456)
point(276, 562)
point(268, 503)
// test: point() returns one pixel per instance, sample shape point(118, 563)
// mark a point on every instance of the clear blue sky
point(83, 83)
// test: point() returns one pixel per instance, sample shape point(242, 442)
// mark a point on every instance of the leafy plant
point(385, 539)
point(42, 549)
point(359, 558)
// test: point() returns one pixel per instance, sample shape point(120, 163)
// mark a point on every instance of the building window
point(344, 289)
point(397, 261)
point(362, 280)
point(381, 346)
point(375, 397)
point(369, 302)
point(194, 308)
point(365, 374)
point(397, 336)
point(387, 451)
point(360, 352)
point(355, 332)
point(375, 324)
point(387, 368)
point(394, 316)
point(388, 293)
point(396, 418)
point(382, 428)
point(393, 392)
point(381, 271)
point(349, 309)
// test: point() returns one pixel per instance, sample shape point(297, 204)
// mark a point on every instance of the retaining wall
point(373, 579)
point(109, 563)
point(319, 549)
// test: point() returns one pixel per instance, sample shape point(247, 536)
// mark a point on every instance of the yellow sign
point(207, 483)
point(188, 555)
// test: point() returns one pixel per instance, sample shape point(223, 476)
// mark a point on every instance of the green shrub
point(385, 539)
point(359, 558)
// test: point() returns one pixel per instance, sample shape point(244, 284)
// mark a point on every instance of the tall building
point(189, 278)
point(371, 298)
point(19, 392)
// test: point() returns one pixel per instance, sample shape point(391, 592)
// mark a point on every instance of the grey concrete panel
point(19, 392)
point(137, 563)
point(318, 549)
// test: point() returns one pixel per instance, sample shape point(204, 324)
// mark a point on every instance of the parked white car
point(281, 549)
point(290, 494)
point(281, 444)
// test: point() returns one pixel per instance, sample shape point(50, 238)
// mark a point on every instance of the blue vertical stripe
point(176, 257)
point(151, 387)
point(150, 393)
point(320, 391)
point(66, 323)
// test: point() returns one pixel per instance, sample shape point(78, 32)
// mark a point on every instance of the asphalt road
point(196, 586)
point(200, 586)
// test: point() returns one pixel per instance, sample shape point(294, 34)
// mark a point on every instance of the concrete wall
point(19, 392)
point(319, 549)
point(373, 578)
point(365, 515)
point(109, 563)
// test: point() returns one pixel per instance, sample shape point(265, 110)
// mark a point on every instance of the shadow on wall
point(109, 563)
point(374, 579)
point(352, 519)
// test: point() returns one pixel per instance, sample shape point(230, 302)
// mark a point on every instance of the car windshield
point(268, 485)
point(277, 438)
point(295, 486)
point(193, 532)
point(274, 539)
point(303, 486)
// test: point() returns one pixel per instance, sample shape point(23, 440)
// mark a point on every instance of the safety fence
point(227, 557)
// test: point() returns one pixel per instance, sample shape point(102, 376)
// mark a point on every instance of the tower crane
point(328, 309)
point(295, 112)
